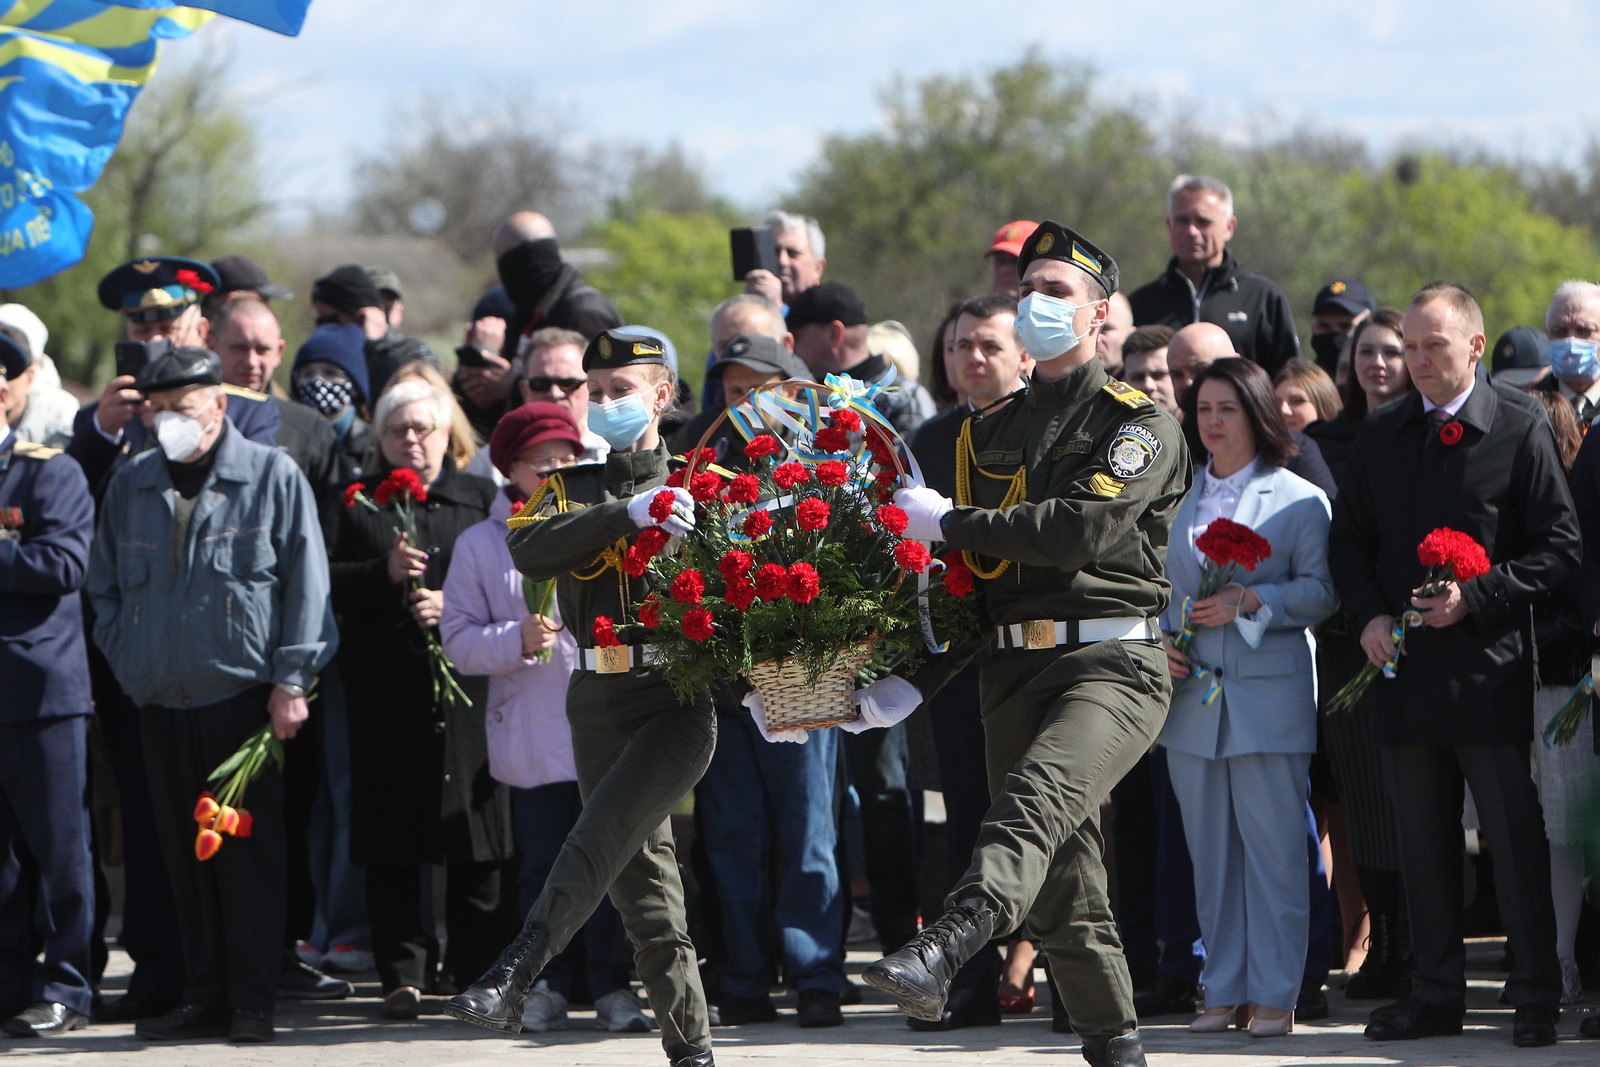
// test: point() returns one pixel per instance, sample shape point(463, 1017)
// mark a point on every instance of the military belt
point(618, 659)
point(1052, 633)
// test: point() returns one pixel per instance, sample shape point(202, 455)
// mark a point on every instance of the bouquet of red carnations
point(403, 489)
point(1449, 556)
point(1227, 546)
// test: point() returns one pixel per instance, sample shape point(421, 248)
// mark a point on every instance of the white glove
point(679, 523)
point(758, 712)
point(883, 703)
point(924, 507)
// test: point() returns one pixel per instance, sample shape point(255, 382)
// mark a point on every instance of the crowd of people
point(394, 566)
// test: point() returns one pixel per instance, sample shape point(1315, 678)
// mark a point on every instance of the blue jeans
point(762, 803)
point(541, 818)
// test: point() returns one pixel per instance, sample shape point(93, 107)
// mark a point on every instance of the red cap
point(521, 428)
point(1010, 237)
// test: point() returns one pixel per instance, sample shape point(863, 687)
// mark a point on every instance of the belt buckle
point(611, 660)
point(1039, 633)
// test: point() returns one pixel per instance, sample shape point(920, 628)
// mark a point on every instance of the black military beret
point(14, 359)
point(157, 288)
point(179, 368)
point(1054, 241)
point(613, 348)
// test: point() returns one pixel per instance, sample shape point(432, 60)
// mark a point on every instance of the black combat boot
point(1124, 1051)
point(1386, 972)
point(495, 1002)
point(685, 1056)
point(918, 975)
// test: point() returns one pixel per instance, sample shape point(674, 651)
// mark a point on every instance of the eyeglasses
point(400, 433)
point(542, 384)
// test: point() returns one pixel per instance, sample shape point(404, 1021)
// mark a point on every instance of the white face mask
point(178, 435)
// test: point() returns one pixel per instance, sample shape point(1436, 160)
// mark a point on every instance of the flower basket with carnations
point(1449, 556)
point(1227, 546)
point(222, 813)
point(402, 490)
point(797, 576)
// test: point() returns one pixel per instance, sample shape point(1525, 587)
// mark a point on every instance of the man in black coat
point(1461, 453)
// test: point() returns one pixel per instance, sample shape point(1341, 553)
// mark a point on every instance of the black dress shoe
point(1123, 1051)
point(44, 1019)
point(918, 975)
point(186, 1022)
point(850, 992)
point(1590, 1026)
point(298, 980)
point(819, 1008)
point(251, 1027)
point(1312, 1003)
point(1533, 1026)
point(131, 1007)
point(743, 1011)
point(966, 1007)
point(1413, 1019)
point(495, 1001)
point(1171, 996)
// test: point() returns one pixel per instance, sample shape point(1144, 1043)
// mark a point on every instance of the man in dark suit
point(1464, 453)
point(46, 884)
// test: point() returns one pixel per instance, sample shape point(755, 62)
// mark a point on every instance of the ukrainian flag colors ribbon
point(1197, 671)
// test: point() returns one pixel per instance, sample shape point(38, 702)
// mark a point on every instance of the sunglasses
point(544, 385)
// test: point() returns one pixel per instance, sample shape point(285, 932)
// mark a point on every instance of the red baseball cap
point(1010, 237)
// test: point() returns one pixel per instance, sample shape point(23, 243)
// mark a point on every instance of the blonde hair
point(416, 381)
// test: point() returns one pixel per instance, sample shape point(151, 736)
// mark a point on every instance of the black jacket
point(1502, 484)
point(1248, 305)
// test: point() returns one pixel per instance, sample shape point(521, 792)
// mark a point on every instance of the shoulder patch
point(1133, 451)
point(1102, 484)
point(34, 450)
point(241, 391)
point(1127, 394)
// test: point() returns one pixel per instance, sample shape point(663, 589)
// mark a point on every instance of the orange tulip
point(227, 820)
point(246, 824)
point(205, 809)
point(206, 843)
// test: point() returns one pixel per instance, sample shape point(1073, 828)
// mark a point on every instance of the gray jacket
point(248, 603)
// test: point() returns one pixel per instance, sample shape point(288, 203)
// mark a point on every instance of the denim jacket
point(247, 605)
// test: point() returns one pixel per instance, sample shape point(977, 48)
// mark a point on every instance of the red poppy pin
point(1450, 433)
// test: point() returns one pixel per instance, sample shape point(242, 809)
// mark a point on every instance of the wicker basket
point(791, 705)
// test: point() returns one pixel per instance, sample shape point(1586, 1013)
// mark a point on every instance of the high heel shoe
point(1271, 1022)
point(1018, 1003)
point(1216, 1020)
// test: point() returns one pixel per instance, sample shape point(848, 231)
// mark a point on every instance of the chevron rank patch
point(1102, 484)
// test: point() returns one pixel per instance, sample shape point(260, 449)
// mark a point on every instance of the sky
point(751, 90)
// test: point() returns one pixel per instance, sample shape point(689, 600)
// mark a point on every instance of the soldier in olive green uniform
point(638, 750)
point(1065, 495)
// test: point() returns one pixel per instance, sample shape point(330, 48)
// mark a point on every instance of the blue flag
point(281, 16)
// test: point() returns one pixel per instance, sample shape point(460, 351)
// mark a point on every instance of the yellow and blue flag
point(69, 71)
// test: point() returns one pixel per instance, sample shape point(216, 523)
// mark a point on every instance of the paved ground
point(350, 1033)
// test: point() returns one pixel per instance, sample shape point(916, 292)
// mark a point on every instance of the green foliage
point(669, 272)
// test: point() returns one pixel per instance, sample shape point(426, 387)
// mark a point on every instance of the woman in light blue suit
point(1239, 764)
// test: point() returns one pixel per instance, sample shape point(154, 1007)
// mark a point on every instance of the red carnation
point(832, 439)
point(832, 472)
point(635, 562)
point(763, 445)
point(770, 581)
point(697, 624)
point(742, 593)
point(846, 419)
point(652, 540)
point(789, 475)
point(605, 632)
point(802, 583)
point(735, 564)
point(744, 489)
point(192, 280)
point(661, 505)
point(1226, 541)
point(702, 457)
point(705, 486)
point(881, 447)
point(812, 513)
point(350, 493)
point(675, 479)
point(893, 519)
point(757, 524)
point(689, 587)
point(913, 556)
point(958, 577)
point(887, 480)
point(1445, 547)
point(650, 611)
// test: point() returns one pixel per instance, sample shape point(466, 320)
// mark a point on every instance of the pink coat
point(530, 743)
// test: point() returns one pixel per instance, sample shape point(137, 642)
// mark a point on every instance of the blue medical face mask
point(1045, 325)
point(1574, 357)
point(619, 421)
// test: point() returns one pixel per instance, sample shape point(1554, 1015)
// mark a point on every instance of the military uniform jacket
point(1106, 471)
point(568, 546)
point(1502, 484)
point(46, 521)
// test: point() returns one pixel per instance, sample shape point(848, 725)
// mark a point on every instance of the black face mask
point(530, 269)
point(1327, 346)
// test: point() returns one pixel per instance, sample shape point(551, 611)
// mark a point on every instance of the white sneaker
point(620, 1012)
point(309, 954)
point(545, 1009)
point(348, 959)
point(1571, 983)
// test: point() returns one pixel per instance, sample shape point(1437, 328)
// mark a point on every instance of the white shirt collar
point(1233, 483)
point(1453, 408)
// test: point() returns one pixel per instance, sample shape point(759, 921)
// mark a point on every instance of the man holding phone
point(795, 246)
